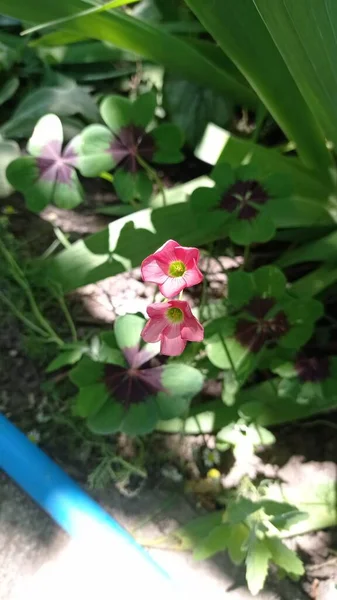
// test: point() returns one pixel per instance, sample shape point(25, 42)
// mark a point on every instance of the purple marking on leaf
point(52, 150)
point(70, 155)
point(243, 196)
point(259, 307)
point(131, 354)
point(56, 167)
point(130, 142)
point(153, 377)
point(130, 385)
point(136, 358)
point(261, 329)
point(312, 369)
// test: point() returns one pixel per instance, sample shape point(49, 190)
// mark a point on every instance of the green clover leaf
point(49, 174)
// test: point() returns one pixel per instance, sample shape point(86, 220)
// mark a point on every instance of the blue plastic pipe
point(79, 515)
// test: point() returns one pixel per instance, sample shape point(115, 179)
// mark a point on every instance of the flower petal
point(158, 309)
point(192, 330)
point(189, 256)
point(166, 252)
point(172, 286)
point(152, 271)
point(153, 329)
point(193, 276)
point(171, 342)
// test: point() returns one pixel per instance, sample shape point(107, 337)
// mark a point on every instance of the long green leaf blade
point(241, 33)
point(305, 32)
point(137, 36)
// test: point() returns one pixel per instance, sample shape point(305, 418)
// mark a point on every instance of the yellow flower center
point(176, 268)
point(175, 315)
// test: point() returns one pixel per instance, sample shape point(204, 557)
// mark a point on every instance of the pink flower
point(173, 268)
point(173, 324)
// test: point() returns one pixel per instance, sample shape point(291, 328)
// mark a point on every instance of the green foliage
point(114, 396)
point(251, 90)
point(246, 529)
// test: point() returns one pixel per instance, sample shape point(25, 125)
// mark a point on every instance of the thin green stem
point(245, 258)
point(260, 117)
point(152, 173)
point(228, 354)
point(39, 316)
point(20, 316)
point(68, 317)
point(204, 289)
point(107, 176)
point(22, 282)
point(62, 238)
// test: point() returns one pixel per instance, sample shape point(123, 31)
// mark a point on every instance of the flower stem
point(107, 176)
point(245, 258)
point(152, 173)
point(22, 282)
point(21, 316)
point(228, 354)
point(68, 317)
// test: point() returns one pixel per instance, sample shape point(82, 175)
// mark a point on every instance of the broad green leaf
point(241, 509)
point(257, 565)
point(127, 331)
point(192, 107)
point(8, 89)
point(216, 541)
point(318, 501)
point(63, 101)
point(237, 543)
point(307, 30)
point(228, 353)
point(195, 531)
point(143, 109)
point(171, 407)
point(90, 399)
point(101, 351)
point(283, 515)
point(261, 229)
point(220, 146)
point(125, 185)
point(240, 288)
point(107, 6)
point(315, 282)
point(116, 112)
point(94, 156)
point(182, 380)
point(47, 129)
point(140, 418)
point(230, 387)
point(86, 372)
point(236, 28)
point(108, 419)
point(269, 281)
point(23, 175)
point(284, 557)
point(67, 357)
point(9, 151)
point(168, 139)
point(323, 249)
point(68, 195)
